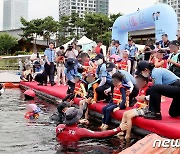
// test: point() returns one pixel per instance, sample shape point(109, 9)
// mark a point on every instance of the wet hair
point(118, 76)
point(142, 78)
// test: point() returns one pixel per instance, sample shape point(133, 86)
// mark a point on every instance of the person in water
point(70, 132)
point(59, 118)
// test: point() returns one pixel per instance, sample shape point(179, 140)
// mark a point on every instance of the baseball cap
point(110, 66)
point(141, 67)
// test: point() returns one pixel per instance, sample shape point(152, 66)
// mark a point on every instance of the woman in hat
point(70, 132)
point(27, 74)
point(79, 90)
point(71, 69)
point(166, 83)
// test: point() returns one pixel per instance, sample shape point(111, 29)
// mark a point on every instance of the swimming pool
point(21, 136)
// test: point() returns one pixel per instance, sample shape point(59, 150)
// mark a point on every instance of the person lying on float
point(70, 132)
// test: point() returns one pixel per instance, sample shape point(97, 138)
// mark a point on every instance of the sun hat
point(73, 115)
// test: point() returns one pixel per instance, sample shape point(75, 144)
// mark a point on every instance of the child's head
point(160, 54)
point(141, 81)
point(91, 77)
point(117, 79)
point(63, 106)
point(125, 54)
point(28, 67)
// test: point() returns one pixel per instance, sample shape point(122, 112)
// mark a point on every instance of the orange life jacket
point(78, 89)
point(117, 96)
point(142, 92)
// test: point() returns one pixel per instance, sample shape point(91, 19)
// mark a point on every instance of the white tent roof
point(84, 40)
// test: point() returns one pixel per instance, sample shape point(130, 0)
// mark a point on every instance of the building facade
point(174, 4)
point(67, 7)
point(13, 10)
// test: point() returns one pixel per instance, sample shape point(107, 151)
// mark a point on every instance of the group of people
point(123, 78)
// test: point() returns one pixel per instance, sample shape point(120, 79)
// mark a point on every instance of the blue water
point(20, 136)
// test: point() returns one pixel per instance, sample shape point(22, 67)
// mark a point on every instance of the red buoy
point(29, 94)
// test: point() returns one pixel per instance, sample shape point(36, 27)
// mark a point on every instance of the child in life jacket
point(141, 105)
point(79, 90)
point(118, 100)
point(32, 111)
point(159, 61)
point(91, 97)
point(125, 63)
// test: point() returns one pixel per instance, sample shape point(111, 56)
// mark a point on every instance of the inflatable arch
point(161, 16)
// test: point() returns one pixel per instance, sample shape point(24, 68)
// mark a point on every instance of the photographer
point(71, 52)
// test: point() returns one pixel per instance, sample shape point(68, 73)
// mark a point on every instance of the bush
point(21, 53)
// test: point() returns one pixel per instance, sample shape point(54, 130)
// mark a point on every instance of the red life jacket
point(142, 92)
point(124, 64)
point(117, 96)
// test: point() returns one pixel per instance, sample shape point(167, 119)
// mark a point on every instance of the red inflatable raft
point(168, 127)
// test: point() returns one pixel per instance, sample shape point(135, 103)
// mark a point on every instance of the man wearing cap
point(49, 65)
point(70, 132)
point(127, 79)
point(166, 83)
point(132, 52)
point(174, 60)
point(104, 78)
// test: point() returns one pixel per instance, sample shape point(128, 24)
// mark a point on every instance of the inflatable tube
point(145, 146)
point(168, 126)
point(9, 85)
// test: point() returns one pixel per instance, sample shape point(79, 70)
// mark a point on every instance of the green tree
point(49, 27)
point(113, 17)
point(7, 42)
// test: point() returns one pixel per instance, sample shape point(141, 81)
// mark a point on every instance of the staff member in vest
point(174, 61)
point(49, 65)
point(104, 77)
point(166, 83)
point(127, 79)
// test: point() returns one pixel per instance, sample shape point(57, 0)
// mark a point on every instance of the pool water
point(21, 136)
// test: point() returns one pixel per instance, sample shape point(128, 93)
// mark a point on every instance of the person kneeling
point(79, 90)
point(141, 105)
point(118, 101)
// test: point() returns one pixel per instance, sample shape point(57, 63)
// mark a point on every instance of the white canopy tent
point(86, 43)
